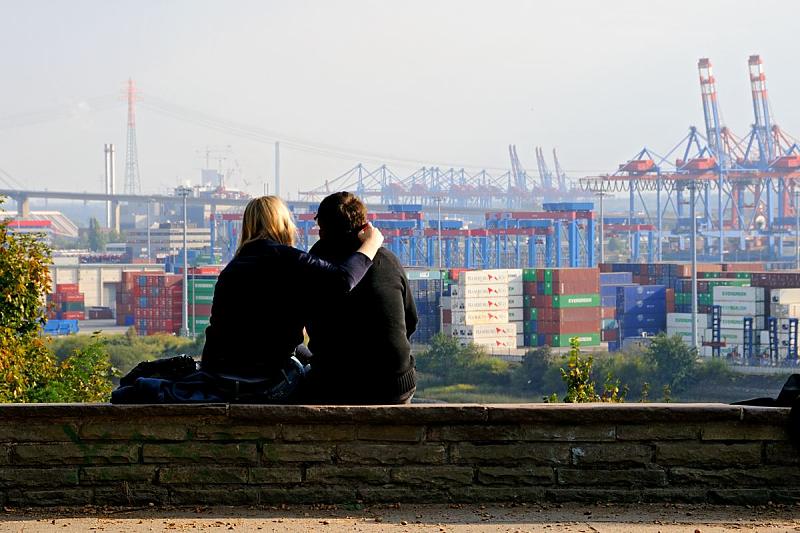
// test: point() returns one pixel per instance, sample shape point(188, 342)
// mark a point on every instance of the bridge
point(23, 197)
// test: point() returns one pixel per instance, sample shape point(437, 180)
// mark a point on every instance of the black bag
point(177, 380)
point(786, 397)
point(171, 368)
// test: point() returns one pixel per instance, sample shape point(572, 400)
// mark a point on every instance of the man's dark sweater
point(360, 340)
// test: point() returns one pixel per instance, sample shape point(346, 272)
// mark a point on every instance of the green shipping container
point(729, 283)
point(531, 339)
point(586, 339)
point(743, 275)
point(548, 276)
point(566, 301)
point(703, 299)
point(202, 299)
point(201, 284)
point(548, 287)
point(528, 274)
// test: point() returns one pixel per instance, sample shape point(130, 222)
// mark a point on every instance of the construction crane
point(560, 174)
point(744, 186)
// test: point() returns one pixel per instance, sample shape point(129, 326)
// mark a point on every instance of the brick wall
point(241, 454)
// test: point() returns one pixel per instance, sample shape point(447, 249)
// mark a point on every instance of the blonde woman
point(263, 295)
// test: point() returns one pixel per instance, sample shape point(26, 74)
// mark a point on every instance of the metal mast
point(133, 184)
point(762, 127)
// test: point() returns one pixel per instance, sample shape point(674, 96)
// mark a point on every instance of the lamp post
point(438, 198)
point(693, 244)
point(149, 254)
point(797, 228)
point(600, 187)
point(184, 193)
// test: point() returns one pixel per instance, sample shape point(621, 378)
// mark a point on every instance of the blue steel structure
point(563, 234)
point(513, 189)
point(744, 186)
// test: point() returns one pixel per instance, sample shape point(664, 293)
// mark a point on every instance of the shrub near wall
point(239, 454)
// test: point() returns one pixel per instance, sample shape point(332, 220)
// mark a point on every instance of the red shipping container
point(529, 288)
point(577, 314)
point(66, 288)
point(607, 335)
point(566, 275)
point(670, 300)
point(73, 315)
point(608, 312)
point(69, 298)
point(560, 328)
point(454, 272)
point(587, 286)
point(200, 309)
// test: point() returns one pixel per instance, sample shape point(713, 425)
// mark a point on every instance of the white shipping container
point(515, 314)
point(684, 320)
point(484, 330)
point(479, 317)
point(514, 275)
point(763, 337)
point(479, 304)
point(515, 301)
point(783, 324)
point(687, 335)
point(492, 343)
point(520, 339)
point(738, 294)
point(784, 296)
point(495, 290)
point(515, 288)
point(784, 310)
point(733, 322)
point(741, 308)
point(445, 302)
point(482, 277)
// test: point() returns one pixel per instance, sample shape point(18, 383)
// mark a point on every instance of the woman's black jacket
point(261, 303)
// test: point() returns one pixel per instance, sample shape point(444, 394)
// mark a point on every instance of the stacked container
point(477, 309)
point(681, 324)
point(201, 295)
point(641, 310)
point(516, 303)
point(426, 288)
point(124, 300)
point(154, 300)
point(609, 325)
point(67, 303)
point(784, 306)
point(736, 304)
point(561, 303)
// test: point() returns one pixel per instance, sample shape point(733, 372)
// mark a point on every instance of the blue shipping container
point(616, 278)
point(634, 320)
point(642, 299)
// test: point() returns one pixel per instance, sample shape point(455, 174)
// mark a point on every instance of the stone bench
point(253, 454)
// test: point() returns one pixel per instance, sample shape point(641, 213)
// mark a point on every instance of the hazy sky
point(445, 82)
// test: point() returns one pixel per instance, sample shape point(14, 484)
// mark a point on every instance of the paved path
point(414, 518)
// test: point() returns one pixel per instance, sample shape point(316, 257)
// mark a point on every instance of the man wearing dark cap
point(360, 341)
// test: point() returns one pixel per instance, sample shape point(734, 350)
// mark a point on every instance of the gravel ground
point(413, 518)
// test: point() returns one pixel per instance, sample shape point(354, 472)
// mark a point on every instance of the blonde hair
point(267, 217)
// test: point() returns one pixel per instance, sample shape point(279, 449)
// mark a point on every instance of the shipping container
point(737, 294)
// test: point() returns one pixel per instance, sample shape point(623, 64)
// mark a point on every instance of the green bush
point(82, 376)
point(447, 362)
point(672, 361)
